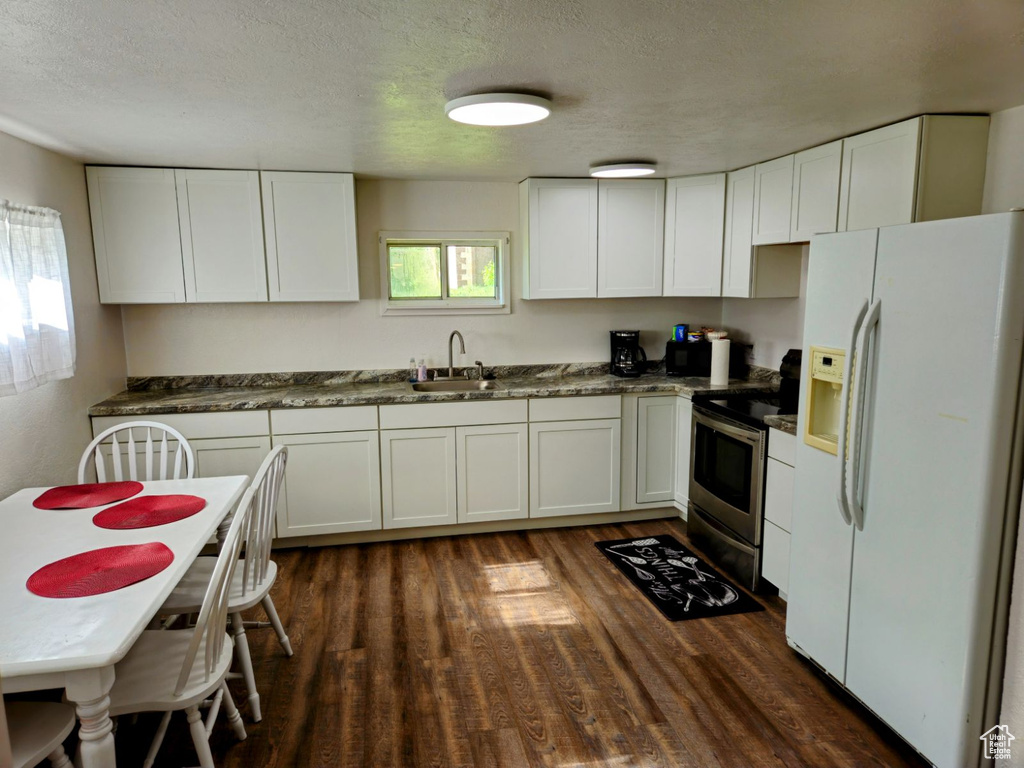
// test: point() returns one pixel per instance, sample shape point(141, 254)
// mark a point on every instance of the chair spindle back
point(127, 450)
point(267, 488)
point(213, 614)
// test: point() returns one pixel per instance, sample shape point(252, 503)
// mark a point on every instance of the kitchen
point(427, 179)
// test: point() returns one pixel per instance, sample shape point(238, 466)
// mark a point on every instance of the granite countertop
point(246, 392)
point(785, 423)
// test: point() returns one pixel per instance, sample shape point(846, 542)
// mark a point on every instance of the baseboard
point(494, 526)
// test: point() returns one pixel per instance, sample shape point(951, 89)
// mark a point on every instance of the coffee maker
point(628, 357)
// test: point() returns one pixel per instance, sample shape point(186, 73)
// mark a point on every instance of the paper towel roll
point(720, 362)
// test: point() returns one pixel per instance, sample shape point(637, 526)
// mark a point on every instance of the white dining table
point(74, 643)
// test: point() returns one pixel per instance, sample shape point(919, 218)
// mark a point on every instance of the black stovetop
point(748, 409)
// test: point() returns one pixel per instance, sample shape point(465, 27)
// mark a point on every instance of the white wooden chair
point(37, 731)
point(171, 670)
point(252, 582)
point(125, 451)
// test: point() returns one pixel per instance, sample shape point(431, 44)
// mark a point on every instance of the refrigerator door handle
point(844, 411)
point(856, 427)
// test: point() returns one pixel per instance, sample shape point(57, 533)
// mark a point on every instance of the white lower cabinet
point(418, 477)
point(656, 449)
point(492, 471)
point(332, 484)
point(574, 467)
point(217, 457)
point(684, 419)
point(778, 509)
point(775, 557)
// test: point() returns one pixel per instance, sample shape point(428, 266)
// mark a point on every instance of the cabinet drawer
point(782, 446)
point(775, 557)
point(778, 495)
point(574, 408)
point(303, 421)
point(198, 425)
point(463, 414)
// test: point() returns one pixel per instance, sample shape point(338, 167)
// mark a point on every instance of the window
point(37, 333)
point(444, 272)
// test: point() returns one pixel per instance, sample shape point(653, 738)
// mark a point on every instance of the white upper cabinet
point(879, 177)
point(135, 233)
point(737, 260)
point(754, 271)
point(559, 238)
point(221, 228)
point(309, 224)
point(630, 237)
point(815, 191)
point(694, 231)
point(926, 168)
point(773, 199)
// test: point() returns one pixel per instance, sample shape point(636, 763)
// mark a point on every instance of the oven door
point(727, 472)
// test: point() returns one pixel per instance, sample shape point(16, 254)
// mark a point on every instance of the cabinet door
point(815, 191)
point(775, 558)
point(221, 226)
point(656, 449)
point(879, 177)
point(778, 494)
point(560, 238)
point(309, 222)
point(684, 426)
point(493, 472)
point(218, 457)
point(694, 232)
point(574, 467)
point(418, 477)
point(134, 215)
point(631, 237)
point(737, 256)
point(773, 201)
point(332, 484)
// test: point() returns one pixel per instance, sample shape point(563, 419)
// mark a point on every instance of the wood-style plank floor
point(520, 649)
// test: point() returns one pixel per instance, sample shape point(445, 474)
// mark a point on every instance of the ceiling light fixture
point(622, 170)
point(498, 109)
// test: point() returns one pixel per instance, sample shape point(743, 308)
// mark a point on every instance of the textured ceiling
point(360, 85)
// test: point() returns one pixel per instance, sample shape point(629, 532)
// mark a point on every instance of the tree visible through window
point(447, 273)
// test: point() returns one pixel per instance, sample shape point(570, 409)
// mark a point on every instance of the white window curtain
point(37, 330)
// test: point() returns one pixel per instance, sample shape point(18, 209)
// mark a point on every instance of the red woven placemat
point(100, 570)
point(147, 511)
point(85, 496)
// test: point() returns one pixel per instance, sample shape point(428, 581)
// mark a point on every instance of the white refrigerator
point(900, 564)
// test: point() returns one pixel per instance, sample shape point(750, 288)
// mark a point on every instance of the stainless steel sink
point(474, 385)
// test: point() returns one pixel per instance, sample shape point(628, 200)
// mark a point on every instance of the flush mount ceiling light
point(498, 109)
point(622, 170)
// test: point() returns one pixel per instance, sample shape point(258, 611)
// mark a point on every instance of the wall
point(45, 430)
point(773, 326)
point(240, 338)
point(1004, 173)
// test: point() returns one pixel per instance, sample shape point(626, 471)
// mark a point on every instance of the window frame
point(447, 305)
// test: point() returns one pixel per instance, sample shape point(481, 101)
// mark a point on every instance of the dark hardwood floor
point(520, 649)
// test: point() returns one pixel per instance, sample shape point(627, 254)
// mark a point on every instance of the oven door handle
point(739, 433)
point(846, 402)
point(857, 427)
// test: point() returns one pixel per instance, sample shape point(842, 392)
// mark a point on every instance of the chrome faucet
point(462, 350)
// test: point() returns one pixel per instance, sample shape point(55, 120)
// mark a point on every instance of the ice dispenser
point(824, 398)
